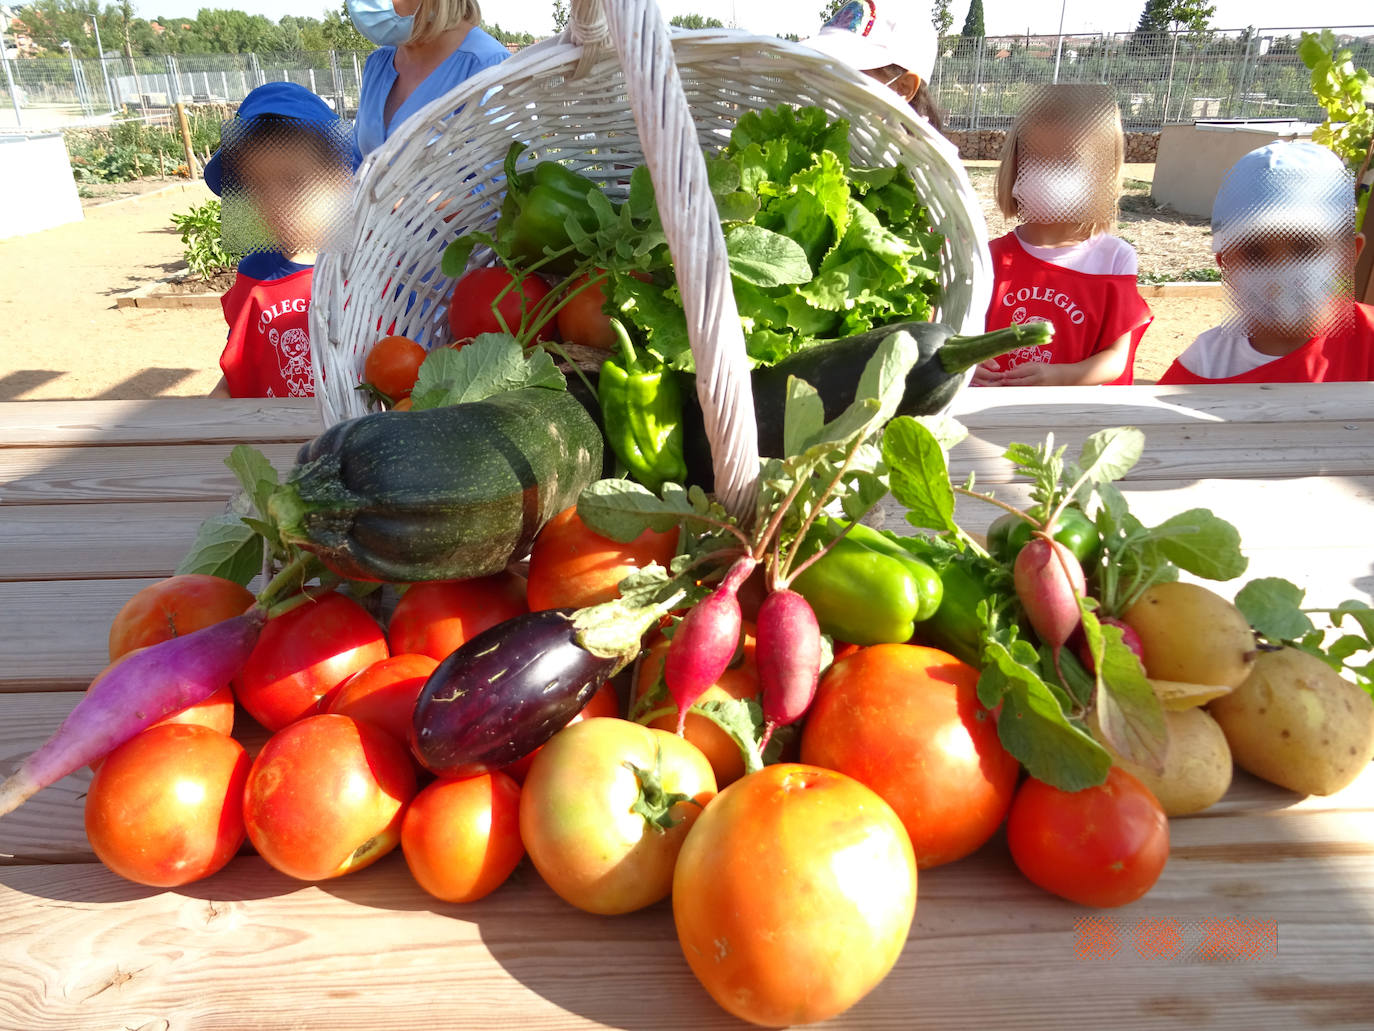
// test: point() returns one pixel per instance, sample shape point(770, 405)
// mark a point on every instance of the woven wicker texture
point(441, 175)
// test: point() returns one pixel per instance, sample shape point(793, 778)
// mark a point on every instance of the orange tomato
point(393, 365)
point(906, 721)
point(438, 617)
point(384, 694)
point(175, 607)
point(572, 567)
point(604, 703)
point(461, 838)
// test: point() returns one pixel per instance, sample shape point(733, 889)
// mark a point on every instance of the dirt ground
point(65, 338)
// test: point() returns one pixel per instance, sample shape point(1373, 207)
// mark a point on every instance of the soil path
point(65, 338)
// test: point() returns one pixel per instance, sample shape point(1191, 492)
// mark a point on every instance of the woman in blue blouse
point(425, 49)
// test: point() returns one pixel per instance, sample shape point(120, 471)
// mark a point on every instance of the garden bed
point(178, 292)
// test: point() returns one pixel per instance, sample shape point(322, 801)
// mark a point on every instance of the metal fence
point(64, 92)
point(1163, 78)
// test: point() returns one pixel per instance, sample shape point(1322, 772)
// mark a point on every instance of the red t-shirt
point(268, 311)
point(1089, 311)
point(1347, 357)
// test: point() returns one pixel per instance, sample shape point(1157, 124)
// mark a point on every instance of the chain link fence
point(1161, 78)
point(65, 93)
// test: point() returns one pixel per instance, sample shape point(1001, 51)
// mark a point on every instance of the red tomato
point(393, 365)
point(302, 655)
point(582, 320)
point(741, 681)
point(604, 703)
point(577, 815)
point(384, 694)
point(573, 567)
point(794, 894)
point(473, 308)
point(461, 838)
point(436, 618)
point(326, 795)
point(175, 606)
point(906, 721)
point(166, 807)
point(1103, 846)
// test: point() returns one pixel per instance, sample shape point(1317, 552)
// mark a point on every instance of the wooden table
point(99, 498)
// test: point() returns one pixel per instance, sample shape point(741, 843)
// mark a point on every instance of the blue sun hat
point(1280, 189)
point(282, 100)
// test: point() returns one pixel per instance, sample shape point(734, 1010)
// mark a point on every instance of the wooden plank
point(56, 542)
point(249, 947)
point(188, 420)
point(1056, 408)
point(193, 472)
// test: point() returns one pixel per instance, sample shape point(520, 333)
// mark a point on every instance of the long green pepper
point(641, 409)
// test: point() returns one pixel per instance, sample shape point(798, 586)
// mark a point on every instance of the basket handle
point(639, 36)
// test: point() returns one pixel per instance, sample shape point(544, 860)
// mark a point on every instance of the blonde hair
point(1097, 140)
point(433, 17)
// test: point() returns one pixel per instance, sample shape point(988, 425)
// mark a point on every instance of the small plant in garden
point(1346, 92)
point(204, 244)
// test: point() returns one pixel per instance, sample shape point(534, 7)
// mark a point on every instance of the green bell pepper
point(641, 409)
point(955, 627)
point(1009, 534)
point(538, 204)
point(865, 589)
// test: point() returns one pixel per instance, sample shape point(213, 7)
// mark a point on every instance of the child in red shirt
point(1282, 227)
point(283, 168)
point(1060, 171)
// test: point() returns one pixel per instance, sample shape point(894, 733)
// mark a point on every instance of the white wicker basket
point(616, 90)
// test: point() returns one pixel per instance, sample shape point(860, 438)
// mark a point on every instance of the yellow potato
point(1192, 635)
point(1296, 723)
point(1197, 766)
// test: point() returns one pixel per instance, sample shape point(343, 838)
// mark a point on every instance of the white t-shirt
point(1222, 352)
point(1099, 255)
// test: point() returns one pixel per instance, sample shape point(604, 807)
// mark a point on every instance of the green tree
point(830, 9)
point(1161, 15)
point(560, 15)
point(521, 39)
point(53, 22)
point(341, 34)
point(695, 21)
point(940, 17)
point(973, 22)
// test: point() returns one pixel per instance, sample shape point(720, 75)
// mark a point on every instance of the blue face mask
point(379, 22)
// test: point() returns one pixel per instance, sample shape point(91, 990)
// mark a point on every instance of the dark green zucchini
point(444, 494)
point(835, 367)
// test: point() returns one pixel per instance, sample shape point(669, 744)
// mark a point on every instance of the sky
point(1001, 17)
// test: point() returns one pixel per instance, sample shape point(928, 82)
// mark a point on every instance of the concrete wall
point(37, 190)
point(1193, 159)
point(986, 144)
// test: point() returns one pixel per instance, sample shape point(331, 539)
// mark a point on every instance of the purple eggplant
point(504, 693)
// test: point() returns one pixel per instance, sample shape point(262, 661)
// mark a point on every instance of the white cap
point(868, 34)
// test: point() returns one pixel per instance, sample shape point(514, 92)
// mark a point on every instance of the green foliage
point(1159, 16)
point(1345, 93)
point(1210, 274)
point(695, 21)
point(560, 15)
point(204, 240)
point(830, 9)
point(940, 16)
point(973, 21)
point(211, 31)
point(520, 39)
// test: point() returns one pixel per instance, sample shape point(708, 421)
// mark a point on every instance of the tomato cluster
point(805, 870)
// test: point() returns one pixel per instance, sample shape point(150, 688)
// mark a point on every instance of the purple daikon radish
point(788, 654)
point(148, 685)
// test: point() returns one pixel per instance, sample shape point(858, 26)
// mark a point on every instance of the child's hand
point(1035, 374)
point(987, 374)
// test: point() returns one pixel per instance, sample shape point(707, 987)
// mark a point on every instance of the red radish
point(148, 685)
point(705, 642)
point(1049, 582)
point(1129, 638)
point(788, 654)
